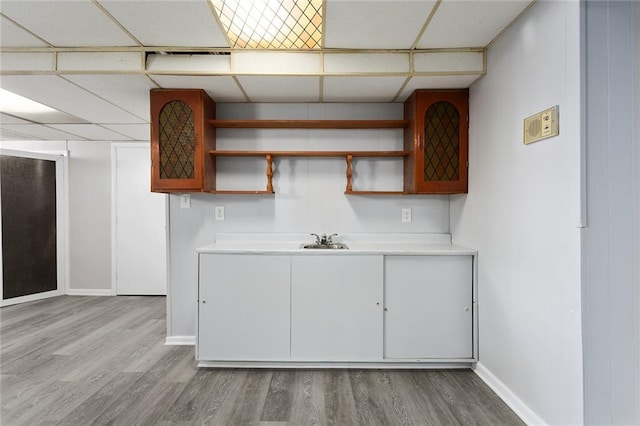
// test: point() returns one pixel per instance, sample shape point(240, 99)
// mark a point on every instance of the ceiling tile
point(374, 24)
point(366, 62)
point(437, 82)
point(65, 96)
point(40, 132)
point(168, 22)
point(476, 22)
point(12, 35)
point(361, 89)
point(27, 61)
point(9, 119)
point(91, 132)
point(220, 88)
point(130, 92)
point(281, 89)
point(67, 23)
point(136, 132)
point(9, 135)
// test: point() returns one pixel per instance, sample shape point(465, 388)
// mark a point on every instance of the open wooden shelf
point(309, 124)
point(309, 153)
point(233, 191)
point(270, 155)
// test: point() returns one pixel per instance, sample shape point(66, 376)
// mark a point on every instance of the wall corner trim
point(180, 341)
point(502, 390)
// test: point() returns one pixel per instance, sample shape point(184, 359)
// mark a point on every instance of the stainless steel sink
point(328, 246)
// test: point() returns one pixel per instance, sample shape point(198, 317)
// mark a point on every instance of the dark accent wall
point(28, 191)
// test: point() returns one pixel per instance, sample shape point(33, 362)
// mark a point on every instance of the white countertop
point(411, 244)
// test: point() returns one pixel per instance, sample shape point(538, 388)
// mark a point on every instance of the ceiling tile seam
point(399, 92)
point(115, 131)
point(232, 74)
point(505, 29)
point(63, 131)
point(15, 132)
point(115, 21)
point(244, 92)
point(144, 120)
point(26, 30)
point(199, 49)
point(324, 24)
point(218, 22)
point(426, 23)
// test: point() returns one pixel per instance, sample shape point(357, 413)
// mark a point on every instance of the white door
point(140, 217)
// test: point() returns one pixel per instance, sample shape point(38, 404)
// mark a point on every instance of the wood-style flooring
point(102, 360)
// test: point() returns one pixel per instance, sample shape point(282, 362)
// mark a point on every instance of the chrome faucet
point(324, 239)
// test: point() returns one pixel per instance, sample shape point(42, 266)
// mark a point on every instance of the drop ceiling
point(96, 60)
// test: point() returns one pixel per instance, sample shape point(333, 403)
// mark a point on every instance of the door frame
point(62, 225)
point(114, 211)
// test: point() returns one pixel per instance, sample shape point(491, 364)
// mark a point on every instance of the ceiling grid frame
point(326, 81)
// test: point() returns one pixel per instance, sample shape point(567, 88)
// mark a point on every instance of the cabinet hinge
point(467, 164)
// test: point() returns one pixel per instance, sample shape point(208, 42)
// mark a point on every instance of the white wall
point(611, 256)
point(309, 192)
point(522, 213)
point(89, 210)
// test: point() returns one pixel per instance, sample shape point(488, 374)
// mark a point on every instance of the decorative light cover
point(271, 24)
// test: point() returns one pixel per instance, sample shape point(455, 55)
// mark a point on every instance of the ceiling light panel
point(65, 96)
point(271, 24)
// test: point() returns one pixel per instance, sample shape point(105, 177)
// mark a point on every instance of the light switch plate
point(185, 201)
point(542, 125)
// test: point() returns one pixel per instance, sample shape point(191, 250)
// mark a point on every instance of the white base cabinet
point(335, 309)
point(428, 307)
point(244, 307)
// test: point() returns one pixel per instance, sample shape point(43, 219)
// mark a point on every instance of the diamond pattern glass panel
point(271, 24)
point(177, 141)
point(442, 142)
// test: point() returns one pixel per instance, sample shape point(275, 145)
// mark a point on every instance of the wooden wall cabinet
point(437, 141)
point(181, 138)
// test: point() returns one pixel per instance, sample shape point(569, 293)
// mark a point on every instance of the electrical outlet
point(185, 201)
point(406, 214)
point(219, 212)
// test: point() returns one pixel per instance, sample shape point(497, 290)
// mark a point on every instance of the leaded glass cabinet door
point(180, 139)
point(438, 142)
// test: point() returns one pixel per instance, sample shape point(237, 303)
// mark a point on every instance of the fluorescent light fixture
point(271, 24)
point(21, 107)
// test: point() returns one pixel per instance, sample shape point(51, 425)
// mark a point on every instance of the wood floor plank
point(277, 406)
point(102, 360)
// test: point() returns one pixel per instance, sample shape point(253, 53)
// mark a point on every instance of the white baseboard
point(516, 404)
point(89, 292)
point(180, 341)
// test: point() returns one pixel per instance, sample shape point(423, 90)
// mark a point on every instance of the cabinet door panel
point(336, 307)
point(244, 307)
point(429, 301)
